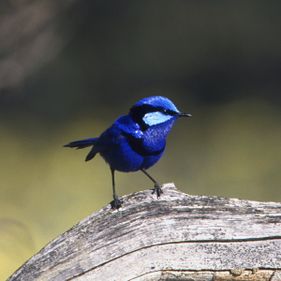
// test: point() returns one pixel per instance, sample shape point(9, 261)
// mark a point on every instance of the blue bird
point(135, 141)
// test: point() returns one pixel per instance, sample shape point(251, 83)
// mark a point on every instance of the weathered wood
point(178, 237)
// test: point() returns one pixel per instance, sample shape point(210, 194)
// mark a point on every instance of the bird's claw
point(116, 203)
point(157, 189)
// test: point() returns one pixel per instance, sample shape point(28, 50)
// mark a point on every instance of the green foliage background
point(218, 60)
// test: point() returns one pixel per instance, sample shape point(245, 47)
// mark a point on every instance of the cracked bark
point(178, 237)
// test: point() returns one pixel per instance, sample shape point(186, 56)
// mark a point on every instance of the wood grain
point(177, 237)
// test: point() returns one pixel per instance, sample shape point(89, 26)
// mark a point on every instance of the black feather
point(81, 143)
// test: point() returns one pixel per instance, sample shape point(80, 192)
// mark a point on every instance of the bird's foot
point(116, 203)
point(157, 189)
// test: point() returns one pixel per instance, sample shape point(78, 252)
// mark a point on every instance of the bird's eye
point(165, 111)
point(168, 112)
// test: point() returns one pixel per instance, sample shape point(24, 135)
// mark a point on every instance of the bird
point(135, 141)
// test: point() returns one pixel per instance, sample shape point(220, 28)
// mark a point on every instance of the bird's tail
point(85, 143)
point(82, 143)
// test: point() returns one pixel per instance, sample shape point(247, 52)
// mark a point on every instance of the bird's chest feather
point(155, 137)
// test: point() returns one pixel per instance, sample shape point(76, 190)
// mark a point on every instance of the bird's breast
point(128, 151)
point(154, 138)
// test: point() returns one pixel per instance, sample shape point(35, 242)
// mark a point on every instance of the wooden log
point(177, 237)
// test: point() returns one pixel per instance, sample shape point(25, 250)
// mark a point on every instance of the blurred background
point(68, 68)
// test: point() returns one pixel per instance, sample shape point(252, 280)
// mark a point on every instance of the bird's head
point(155, 110)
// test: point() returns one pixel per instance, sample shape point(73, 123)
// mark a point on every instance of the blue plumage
point(135, 141)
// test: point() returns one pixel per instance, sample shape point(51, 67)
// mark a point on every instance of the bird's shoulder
point(128, 127)
point(122, 127)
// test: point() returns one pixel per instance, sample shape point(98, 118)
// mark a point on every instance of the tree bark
point(177, 237)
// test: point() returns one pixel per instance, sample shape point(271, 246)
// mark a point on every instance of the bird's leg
point(116, 203)
point(157, 187)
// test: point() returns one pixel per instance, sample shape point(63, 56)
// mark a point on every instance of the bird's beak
point(181, 114)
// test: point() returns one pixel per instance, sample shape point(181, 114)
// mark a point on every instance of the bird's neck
point(160, 130)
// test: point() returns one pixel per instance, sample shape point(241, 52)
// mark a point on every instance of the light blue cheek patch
point(155, 118)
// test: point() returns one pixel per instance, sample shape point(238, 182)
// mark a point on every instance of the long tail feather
point(91, 154)
point(82, 143)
